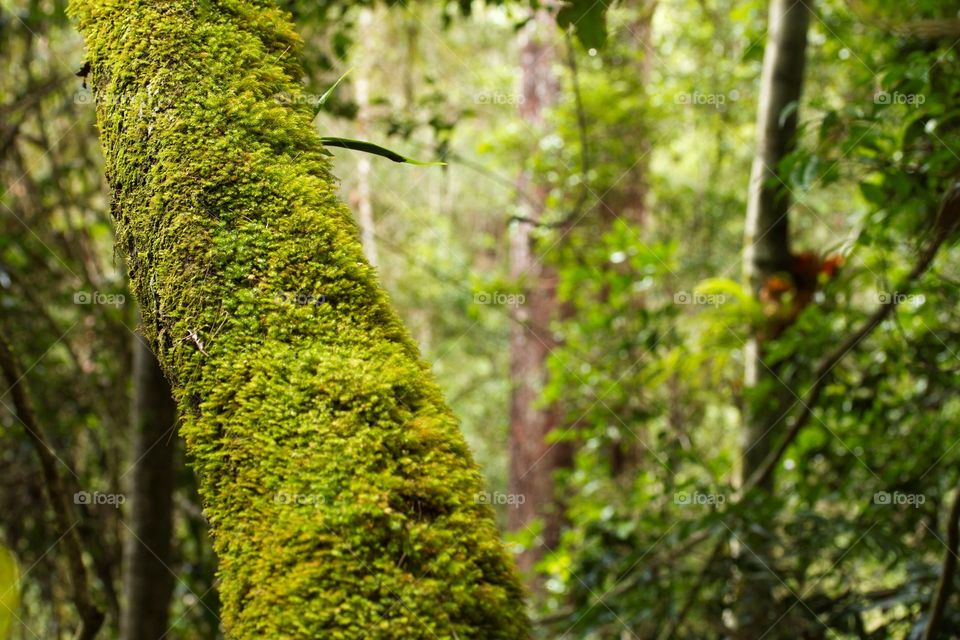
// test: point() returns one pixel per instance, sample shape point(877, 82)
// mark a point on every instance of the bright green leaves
point(329, 92)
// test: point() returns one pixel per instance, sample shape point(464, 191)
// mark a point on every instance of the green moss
point(340, 493)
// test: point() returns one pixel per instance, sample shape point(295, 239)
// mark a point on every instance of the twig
point(91, 617)
point(32, 97)
point(679, 619)
point(822, 374)
point(941, 234)
point(453, 157)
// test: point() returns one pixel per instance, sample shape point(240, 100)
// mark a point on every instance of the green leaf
point(874, 194)
point(588, 20)
point(377, 150)
point(726, 287)
point(788, 111)
point(329, 92)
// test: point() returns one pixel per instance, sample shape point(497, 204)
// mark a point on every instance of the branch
point(454, 158)
point(939, 603)
point(91, 617)
point(627, 583)
point(680, 617)
point(822, 373)
point(33, 96)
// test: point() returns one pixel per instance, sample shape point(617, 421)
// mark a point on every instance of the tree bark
point(364, 199)
point(767, 252)
point(767, 241)
point(342, 498)
point(533, 460)
point(147, 578)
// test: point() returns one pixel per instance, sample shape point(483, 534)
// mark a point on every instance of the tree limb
point(91, 617)
point(822, 373)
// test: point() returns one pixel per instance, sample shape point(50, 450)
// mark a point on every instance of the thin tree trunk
point(767, 252)
point(627, 199)
point(147, 578)
point(767, 241)
point(364, 201)
point(342, 498)
point(533, 460)
point(938, 603)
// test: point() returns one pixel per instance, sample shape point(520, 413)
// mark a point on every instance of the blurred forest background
point(694, 422)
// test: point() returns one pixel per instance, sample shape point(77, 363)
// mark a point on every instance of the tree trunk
point(767, 241)
point(364, 199)
point(767, 252)
point(342, 498)
point(627, 198)
point(533, 460)
point(147, 578)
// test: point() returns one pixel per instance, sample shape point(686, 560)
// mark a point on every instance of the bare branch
point(91, 617)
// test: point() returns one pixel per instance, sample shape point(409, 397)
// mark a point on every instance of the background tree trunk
point(533, 460)
point(342, 498)
point(147, 577)
point(767, 252)
point(364, 199)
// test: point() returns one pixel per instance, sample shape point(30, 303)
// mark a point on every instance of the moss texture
point(339, 490)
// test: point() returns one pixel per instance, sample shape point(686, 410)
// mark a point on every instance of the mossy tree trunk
point(342, 499)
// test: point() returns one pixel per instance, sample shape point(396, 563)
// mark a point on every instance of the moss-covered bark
point(340, 493)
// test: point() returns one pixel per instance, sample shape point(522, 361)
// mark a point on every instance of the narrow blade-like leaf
point(377, 150)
